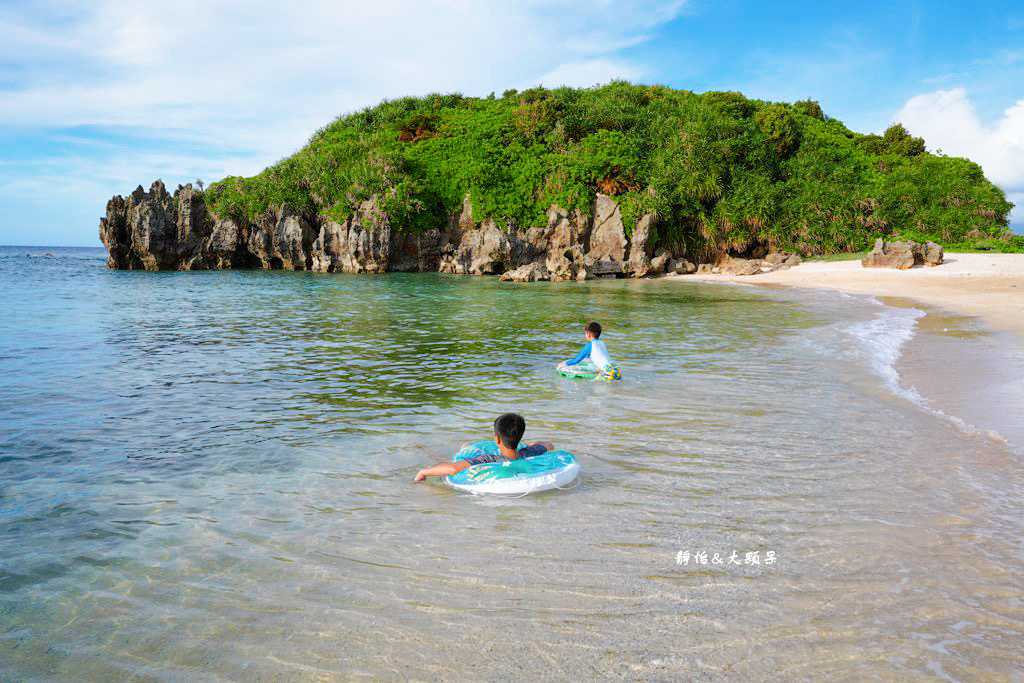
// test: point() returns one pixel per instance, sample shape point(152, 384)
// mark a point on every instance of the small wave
point(882, 339)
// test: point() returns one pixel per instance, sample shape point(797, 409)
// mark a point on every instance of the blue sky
point(98, 97)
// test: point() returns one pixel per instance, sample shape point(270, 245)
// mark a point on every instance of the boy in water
point(508, 430)
point(597, 353)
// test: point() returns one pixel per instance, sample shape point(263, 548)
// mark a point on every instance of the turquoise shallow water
point(209, 475)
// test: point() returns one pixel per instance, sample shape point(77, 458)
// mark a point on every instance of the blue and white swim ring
point(550, 470)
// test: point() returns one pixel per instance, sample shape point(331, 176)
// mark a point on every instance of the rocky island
point(615, 181)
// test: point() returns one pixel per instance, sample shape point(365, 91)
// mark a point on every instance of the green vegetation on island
point(722, 173)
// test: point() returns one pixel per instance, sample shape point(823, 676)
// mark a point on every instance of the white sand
point(989, 286)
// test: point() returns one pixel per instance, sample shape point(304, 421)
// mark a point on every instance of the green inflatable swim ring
point(585, 369)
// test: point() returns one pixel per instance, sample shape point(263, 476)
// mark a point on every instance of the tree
point(898, 140)
point(778, 124)
point(810, 108)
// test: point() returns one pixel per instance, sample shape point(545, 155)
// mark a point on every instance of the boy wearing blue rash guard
point(597, 353)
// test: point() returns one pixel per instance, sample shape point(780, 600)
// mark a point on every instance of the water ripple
point(208, 475)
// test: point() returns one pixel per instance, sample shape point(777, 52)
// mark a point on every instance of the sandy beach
point(988, 286)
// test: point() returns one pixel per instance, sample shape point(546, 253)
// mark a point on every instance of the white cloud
point(948, 120)
point(270, 74)
point(219, 87)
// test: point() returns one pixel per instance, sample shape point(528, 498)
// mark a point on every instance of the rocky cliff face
point(157, 231)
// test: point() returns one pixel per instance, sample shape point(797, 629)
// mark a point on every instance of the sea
point(208, 476)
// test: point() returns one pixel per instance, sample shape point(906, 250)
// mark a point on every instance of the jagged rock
point(778, 260)
point(153, 230)
point(463, 222)
point(681, 266)
point(278, 240)
point(567, 264)
point(115, 234)
point(932, 254)
point(287, 245)
point(419, 253)
point(705, 269)
point(350, 248)
point(257, 244)
point(563, 231)
point(220, 249)
point(323, 249)
point(154, 227)
point(639, 263)
point(486, 250)
point(605, 267)
point(739, 266)
point(362, 244)
point(193, 220)
point(137, 226)
point(890, 255)
point(660, 261)
point(531, 272)
point(607, 236)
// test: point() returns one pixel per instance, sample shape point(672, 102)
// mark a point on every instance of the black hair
point(594, 329)
point(509, 428)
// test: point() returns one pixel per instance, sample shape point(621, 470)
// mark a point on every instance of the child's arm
point(442, 470)
point(584, 353)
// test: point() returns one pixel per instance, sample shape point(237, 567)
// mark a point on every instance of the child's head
point(592, 331)
point(509, 428)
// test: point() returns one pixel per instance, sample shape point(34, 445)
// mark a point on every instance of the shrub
point(779, 125)
point(809, 108)
point(721, 172)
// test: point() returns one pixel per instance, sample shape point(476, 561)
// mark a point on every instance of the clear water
point(208, 475)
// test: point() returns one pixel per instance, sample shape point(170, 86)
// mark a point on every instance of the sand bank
point(989, 286)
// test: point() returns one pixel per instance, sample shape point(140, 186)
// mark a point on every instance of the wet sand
point(988, 286)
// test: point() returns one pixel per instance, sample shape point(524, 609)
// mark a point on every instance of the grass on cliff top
point(722, 173)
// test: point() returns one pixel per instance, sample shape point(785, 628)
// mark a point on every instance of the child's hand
point(419, 477)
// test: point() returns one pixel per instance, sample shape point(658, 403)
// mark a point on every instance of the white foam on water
point(881, 340)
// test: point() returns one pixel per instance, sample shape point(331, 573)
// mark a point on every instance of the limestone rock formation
point(607, 236)
point(739, 266)
point(890, 255)
point(681, 266)
point(902, 255)
point(486, 250)
point(639, 262)
point(932, 254)
point(141, 231)
point(778, 260)
point(606, 266)
point(154, 230)
point(531, 272)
